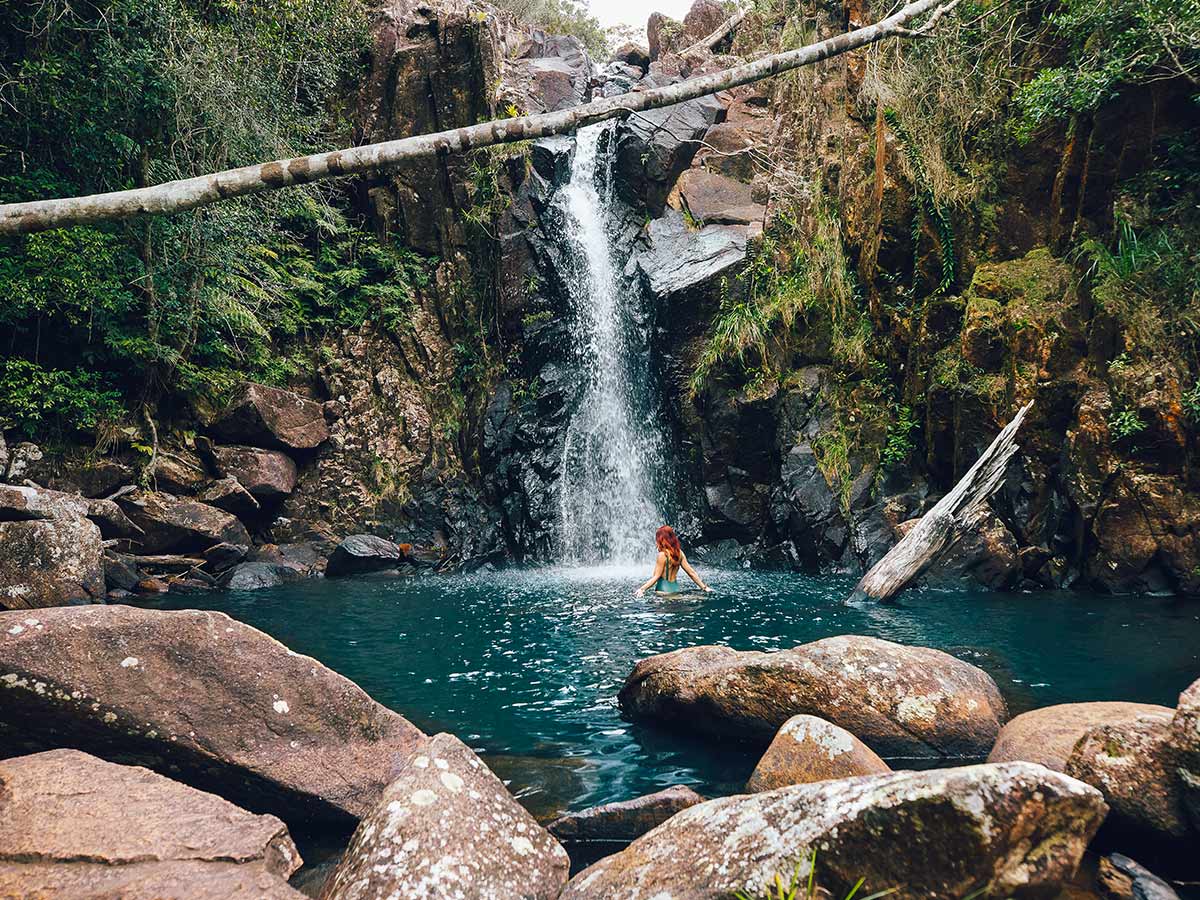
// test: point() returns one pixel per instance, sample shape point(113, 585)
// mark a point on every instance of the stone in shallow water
point(446, 827)
point(361, 553)
point(1009, 830)
point(626, 819)
point(201, 698)
point(808, 749)
point(902, 702)
point(72, 825)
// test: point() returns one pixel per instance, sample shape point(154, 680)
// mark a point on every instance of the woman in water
point(670, 560)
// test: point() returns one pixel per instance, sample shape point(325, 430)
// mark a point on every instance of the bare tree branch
point(189, 193)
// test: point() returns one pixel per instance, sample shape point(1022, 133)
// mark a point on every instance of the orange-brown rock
point(900, 701)
point(808, 749)
point(202, 698)
point(1048, 735)
point(74, 826)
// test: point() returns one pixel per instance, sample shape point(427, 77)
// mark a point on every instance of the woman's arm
point(659, 565)
point(683, 564)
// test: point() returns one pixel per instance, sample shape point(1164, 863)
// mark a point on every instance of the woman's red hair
point(668, 543)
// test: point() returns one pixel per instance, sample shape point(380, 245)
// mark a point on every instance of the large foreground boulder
point(624, 820)
point(1185, 734)
point(72, 825)
point(272, 417)
point(174, 524)
point(1048, 735)
point(900, 701)
point(203, 699)
point(808, 749)
point(1011, 830)
point(446, 827)
point(51, 553)
point(1135, 764)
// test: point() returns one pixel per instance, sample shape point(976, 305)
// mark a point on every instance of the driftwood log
point(959, 511)
point(189, 193)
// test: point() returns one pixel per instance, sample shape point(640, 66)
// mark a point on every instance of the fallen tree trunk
point(710, 41)
point(958, 511)
point(188, 193)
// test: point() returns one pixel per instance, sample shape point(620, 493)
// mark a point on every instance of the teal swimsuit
point(668, 587)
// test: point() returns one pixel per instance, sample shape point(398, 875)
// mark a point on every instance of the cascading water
point(613, 446)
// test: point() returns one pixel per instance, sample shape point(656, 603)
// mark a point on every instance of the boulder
point(446, 827)
point(72, 825)
point(705, 17)
point(220, 557)
point(22, 458)
point(172, 523)
point(120, 571)
point(253, 576)
point(808, 749)
point(986, 554)
point(715, 199)
point(112, 522)
point(632, 55)
point(656, 146)
point(624, 820)
point(1048, 735)
point(662, 33)
point(228, 494)
point(1135, 765)
point(677, 259)
point(362, 553)
point(907, 702)
point(264, 473)
point(272, 417)
point(1010, 830)
point(50, 552)
point(1185, 736)
point(179, 471)
point(1121, 878)
point(202, 698)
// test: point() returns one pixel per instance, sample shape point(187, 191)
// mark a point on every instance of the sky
point(635, 12)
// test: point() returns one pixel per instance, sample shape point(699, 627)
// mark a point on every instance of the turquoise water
point(525, 665)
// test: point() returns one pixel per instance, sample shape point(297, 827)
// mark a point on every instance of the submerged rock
point(272, 417)
point(362, 553)
point(446, 827)
point(202, 698)
point(1048, 735)
point(1010, 830)
point(624, 820)
point(72, 825)
point(900, 701)
point(1135, 764)
point(253, 576)
point(808, 749)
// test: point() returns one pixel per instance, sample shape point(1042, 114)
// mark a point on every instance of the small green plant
point(899, 444)
point(1191, 403)
point(799, 888)
point(1125, 423)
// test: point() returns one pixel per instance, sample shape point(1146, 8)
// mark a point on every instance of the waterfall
point(613, 447)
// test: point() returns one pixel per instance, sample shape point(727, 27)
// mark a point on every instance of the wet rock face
point(677, 259)
point(170, 523)
point(1135, 765)
point(50, 551)
point(1048, 735)
point(272, 417)
point(74, 825)
point(808, 749)
point(900, 701)
point(624, 820)
point(446, 827)
point(1012, 830)
point(202, 698)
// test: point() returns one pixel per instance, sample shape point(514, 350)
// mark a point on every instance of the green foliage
point(1110, 43)
point(900, 438)
point(561, 17)
point(802, 886)
point(37, 401)
point(1191, 403)
point(1124, 423)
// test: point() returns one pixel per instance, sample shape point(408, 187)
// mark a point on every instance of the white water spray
point(607, 489)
